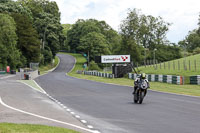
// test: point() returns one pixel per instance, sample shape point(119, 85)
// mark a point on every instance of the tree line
point(139, 35)
point(30, 31)
point(191, 43)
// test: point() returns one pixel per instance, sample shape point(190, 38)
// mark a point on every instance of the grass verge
point(32, 84)
point(193, 90)
point(187, 66)
point(46, 68)
point(80, 60)
point(28, 128)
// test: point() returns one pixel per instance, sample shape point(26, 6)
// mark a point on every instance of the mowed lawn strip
point(193, 90)
point(28, 128)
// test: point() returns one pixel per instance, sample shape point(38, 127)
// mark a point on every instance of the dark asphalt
point(110, 108)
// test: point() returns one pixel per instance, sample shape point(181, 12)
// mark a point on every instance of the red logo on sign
point(124, 58)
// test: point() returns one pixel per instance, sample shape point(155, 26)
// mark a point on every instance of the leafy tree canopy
point(9, 54)
point(142, 34)
point(28, 41)
point(192, 41)
point(84, 27)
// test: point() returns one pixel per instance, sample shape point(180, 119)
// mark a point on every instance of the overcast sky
point(183, 14)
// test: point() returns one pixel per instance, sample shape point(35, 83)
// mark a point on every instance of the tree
point(9, 6)
point(83, 27)
point(191, 41)
point(46, 17)
point(66, 28)
point(28, 41)
point(140, 30)
point(9, 54)
point(94, 44)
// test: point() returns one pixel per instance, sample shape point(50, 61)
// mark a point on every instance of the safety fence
point(99, 74)
point(195, 80)
point(172, 79)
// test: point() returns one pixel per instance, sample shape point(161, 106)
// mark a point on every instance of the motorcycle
point(141, 92)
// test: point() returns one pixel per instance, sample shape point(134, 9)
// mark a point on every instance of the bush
point(196, 50)
point(94, 66)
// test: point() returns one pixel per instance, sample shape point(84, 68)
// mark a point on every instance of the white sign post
point(115, 59)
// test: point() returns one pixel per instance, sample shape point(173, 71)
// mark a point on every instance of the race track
point(110, 108)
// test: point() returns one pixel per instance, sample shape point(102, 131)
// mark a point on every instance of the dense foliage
point(191, 43)
point(36, 32)
point(92, 37)
point(9, 54)
point(30, 31)
point(143, 35)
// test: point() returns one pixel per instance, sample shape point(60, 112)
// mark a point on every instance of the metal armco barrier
point(172, 79)
point(99, 74)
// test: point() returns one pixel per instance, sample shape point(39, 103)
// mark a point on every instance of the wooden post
point(160, 66)
point(195, 65)
point(178, 65)
point(185, 65)
point(189, 64)
point(174, 65)
point(164, 65)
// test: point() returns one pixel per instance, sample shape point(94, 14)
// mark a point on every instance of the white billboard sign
point(115, 58)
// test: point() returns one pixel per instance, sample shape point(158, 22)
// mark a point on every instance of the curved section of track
point(110, 108)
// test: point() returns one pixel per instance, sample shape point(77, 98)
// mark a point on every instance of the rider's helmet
point(143, 76)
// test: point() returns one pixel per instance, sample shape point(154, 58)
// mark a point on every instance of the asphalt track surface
point(22, 97)
point(110, 108)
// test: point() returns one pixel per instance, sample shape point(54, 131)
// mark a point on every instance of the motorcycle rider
point(137, 81)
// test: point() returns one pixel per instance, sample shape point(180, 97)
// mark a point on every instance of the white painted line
point(46, 118)
point(95, 131)
point(39, 87)
point(30, 86)
point(73, 66)
point(72, 113)
point(53, 99)
point(77, 116)
point(90, 126)
point(64, 107)
point(84, 121)
point(52, 68)
point(56, 66)
point(68, 110)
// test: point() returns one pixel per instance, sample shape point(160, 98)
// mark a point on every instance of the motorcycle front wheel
point(141, 96)
point(135, 98)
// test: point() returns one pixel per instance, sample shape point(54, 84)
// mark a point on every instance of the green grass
point(28, 128)
point(46, 68)
point(80, 60)
point(176, 67)
point(31, 83)
point(193, 90)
